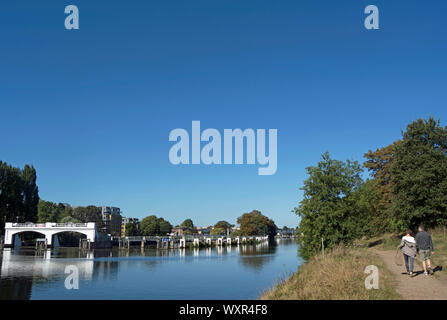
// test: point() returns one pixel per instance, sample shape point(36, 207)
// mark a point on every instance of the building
point(177, 231)
point(125, 221)
point(182, 231)
point(203, 231)
point(111, 217)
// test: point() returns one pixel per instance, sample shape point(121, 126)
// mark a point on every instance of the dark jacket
point(423, 241)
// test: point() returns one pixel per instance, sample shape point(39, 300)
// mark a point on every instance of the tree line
point(51, 212)
point(406, 187)
point(252, 223)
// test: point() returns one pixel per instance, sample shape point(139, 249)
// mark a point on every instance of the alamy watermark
point(371, 21)
point(211, 152)
point(72, 280)
point(372, 281)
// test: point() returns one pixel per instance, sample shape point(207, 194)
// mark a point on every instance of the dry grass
point(338, 276)
point(439, 237)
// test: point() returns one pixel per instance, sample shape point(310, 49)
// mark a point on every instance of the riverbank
point(339, 275)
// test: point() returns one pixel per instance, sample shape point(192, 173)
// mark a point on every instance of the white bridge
point(48, 229)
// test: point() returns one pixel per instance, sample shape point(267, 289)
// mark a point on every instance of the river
point(242, 272)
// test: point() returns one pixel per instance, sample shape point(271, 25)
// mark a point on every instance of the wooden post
point(322, 247)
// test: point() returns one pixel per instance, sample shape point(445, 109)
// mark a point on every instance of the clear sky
point(92, 109)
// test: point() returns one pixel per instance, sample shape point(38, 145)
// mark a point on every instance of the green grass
point(339, 275)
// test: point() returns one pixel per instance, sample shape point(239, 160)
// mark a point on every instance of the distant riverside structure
point(111, 217)
point(125, 221)
point(286, 232)
point(181, 231)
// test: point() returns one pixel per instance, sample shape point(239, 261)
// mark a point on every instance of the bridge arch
point(22, 233)
point(68, 238)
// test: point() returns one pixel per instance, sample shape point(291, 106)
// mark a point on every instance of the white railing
point(49, 225)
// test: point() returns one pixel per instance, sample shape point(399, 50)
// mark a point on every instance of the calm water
point(210, 273)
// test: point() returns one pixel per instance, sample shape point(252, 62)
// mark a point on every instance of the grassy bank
point(339, 275)
point(440, 243)
point(391, 241)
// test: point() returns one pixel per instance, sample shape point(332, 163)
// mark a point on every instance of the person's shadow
point(417, 273)
point(437, 268)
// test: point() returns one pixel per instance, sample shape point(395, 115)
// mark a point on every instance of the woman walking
point(408, 248)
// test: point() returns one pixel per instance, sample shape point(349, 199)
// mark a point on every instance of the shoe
point(426, 273)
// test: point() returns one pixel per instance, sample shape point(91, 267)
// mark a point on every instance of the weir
point(49, 230)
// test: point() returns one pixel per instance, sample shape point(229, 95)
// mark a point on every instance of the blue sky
point(92, 109)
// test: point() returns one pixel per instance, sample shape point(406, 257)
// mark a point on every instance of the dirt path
point(421, 287)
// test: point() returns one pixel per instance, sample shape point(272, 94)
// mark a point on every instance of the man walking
point(424, 244)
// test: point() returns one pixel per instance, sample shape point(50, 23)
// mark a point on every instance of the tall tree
point(419, 176)
point(18, 194)
point(30, 193)
point(379, 164)
point(328, 210)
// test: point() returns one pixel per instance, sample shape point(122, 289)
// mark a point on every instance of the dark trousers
point(409, 262)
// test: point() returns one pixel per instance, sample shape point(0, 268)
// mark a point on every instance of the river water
point(242, 272)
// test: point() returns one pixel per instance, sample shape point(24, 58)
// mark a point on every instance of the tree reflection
point(256, 256)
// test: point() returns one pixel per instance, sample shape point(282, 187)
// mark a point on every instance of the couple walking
point(410, 246)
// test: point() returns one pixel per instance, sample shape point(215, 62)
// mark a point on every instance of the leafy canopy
point(335, 205)
point(154, 226)
point(256, 224)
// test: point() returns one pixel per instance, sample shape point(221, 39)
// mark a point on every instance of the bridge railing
point(29, 225)
point(76, 225)
point(48, 225)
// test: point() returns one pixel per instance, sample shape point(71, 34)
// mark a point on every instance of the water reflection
point(145, 273)
point(21, 264)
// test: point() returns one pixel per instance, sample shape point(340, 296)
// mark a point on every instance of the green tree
point(48, 211)
point(419, 176)
point(65, 212)
point(329, 210)
point(89, 214)
point(18, 194)
point(149, 226)
point(131, 230)
point(30, 193)
point(165, 226)
point(187, 224)
point(256, 224)
point(153, 226)
point(218, 231)
point(223, 225)
point(69, 219)
point(379, 164)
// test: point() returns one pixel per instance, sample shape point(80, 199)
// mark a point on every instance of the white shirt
point(409, 239)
